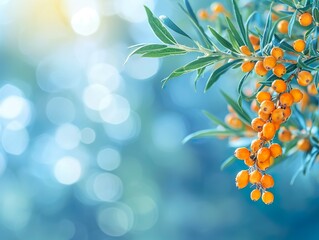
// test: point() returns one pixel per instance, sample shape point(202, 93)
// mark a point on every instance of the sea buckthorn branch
point(284, 52)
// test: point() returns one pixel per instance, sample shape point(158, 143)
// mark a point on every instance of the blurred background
point(91, 148)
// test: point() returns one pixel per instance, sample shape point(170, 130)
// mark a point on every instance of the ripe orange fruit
point(296, 94)
point(217, 7)
point(259, 69)
point(282, 26)
point(277, 52)
point(255, 194)
point(267, 181)
point(275, 150)
point(249, 162)
point(304, 145)
point(203, 14)
point(262, 115)
point(277, 115)
point(271, 161)
point(254, 177)
point(284, 135)
point(254, 40)
point(267, 197)
point(286, 99)
point(262, 96)
point(247, 66)
point(257, 124)
point(256, 145)
point(263, 154)
point(269, 62)
point(299, 45)
point(242, 179)
point(305, 19)
point(269, 131)
point(312, 89)
point(279, 70)
point(233, 121)
point(242, 153)
point(287, 112)
point(279, 86)
point(304, 78)
point(267, 106)
point(245, 50)
point(263, 165)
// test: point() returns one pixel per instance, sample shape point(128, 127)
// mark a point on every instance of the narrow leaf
point(169, 23)
point(221, 39)
point(229, 161)
point(210, 133)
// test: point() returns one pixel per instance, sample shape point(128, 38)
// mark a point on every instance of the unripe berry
point(277, 52)
point(255, 195)
point(257, 124)
point(267, 197)
point(278, 115)
point(259, 69)
point(245, 50)
point(242, 179)
point(286, 99)
point(305, 19)
point(279, 86)
point(263, 154)
point(299, 45)
point(242, 153)
point(304, 145)
point(279, 70)
point(269, 131)
point(284, 135)
point(275, 150)
point(283, 26)
point(269, 62)
point(267, 106)
point(296, 94)
point(256, 145)
point(267, 181)
point(262, 96)
point(247, 66)
point(254, 177)
point(304, 78)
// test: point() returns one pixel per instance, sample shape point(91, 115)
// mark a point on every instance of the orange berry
point(304, 145)
point(245, 50)
point(259, 69)
point(278, 115)
point(269, 131)
point(299, 45)
point(267, 106)
point(304, 78)
point(277, 53)
point(242, 153)
point(255, 194)
point(203, 14)
point(269, 62)
point(296, 94)
point(256, 145)
point(262, 115)
point(263, 154)
point(263, 165)
point(279, 70)
point(242, 179)
point(233, 121)
point(286, 99)
point(262, 96)
point(267, 197)
point(287, 112)
point(257, 124)
point(247, 66)
point(312, 89)
point(305, 19)
point(249, 162)
point(275, 150)
point(282, 26)
point(271, 161)
point(254, 106)
point(256, 47)
point(254, 177)
point(254, 40)
point(284, 135)
point(277, 125)
point(267, 181)
point(279, 86)
point(217, 7)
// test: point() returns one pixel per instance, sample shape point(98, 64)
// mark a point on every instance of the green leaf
point(229, 161)
point(240, 22)
point(158, 28)
point(169, 23)
point(286, 46)
point(192, 66)
point(233, 40)
point(250, 46)
point(292, 23)
point(200, 72)
point(235, 32)
point(242, 114)
point(315, 14)
point(210, 133)
point(164, 52)
point(221, 40)
point(267, 30)
point(241, 83)
point(216, 120)
point(304, 66)
point(218, 72)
